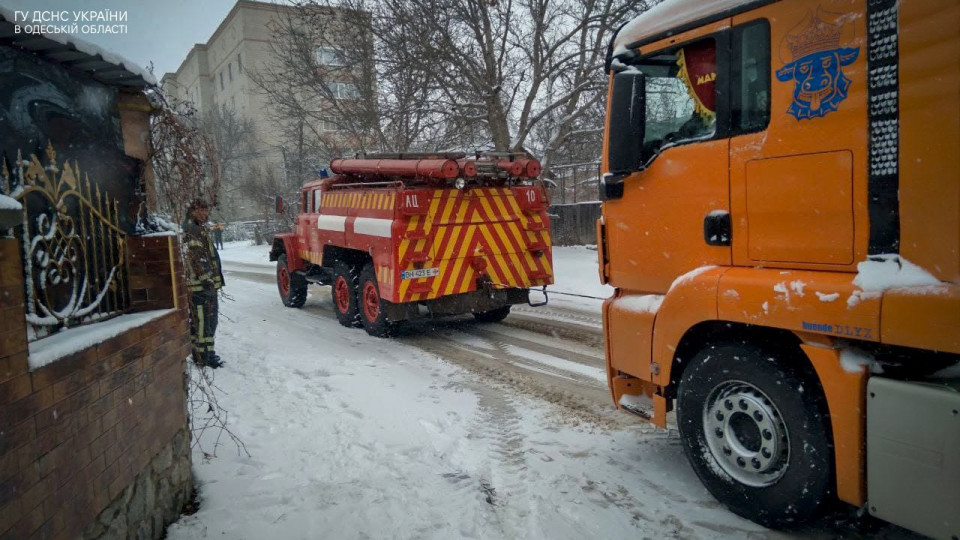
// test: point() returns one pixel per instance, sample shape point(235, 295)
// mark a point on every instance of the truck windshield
point(680, 95)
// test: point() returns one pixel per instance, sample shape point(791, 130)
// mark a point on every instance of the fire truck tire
point(372, 312)
point(755, 430)
point(343, 293)
point(494, 315)
point(292, 286)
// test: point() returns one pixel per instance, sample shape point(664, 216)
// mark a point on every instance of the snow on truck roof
point(675, 16)
point(75, 53)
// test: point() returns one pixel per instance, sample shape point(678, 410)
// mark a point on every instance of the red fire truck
point(396, 233)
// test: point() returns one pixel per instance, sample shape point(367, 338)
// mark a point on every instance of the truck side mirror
point(625, 135)
point(279, 203)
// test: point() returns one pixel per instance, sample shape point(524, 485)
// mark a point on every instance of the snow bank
point(71, 340)
point(244, 252)
point(575, 271)
point(9, 203)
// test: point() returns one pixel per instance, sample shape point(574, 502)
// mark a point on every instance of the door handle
point(716, 228)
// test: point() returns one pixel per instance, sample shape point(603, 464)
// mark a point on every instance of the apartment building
point(217, 73)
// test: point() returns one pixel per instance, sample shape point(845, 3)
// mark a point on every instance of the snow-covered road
point(454, 429)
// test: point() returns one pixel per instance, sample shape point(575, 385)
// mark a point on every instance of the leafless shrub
point(185, 162)
point(206, 413)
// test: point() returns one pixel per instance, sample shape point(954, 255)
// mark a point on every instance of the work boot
point(214, 361)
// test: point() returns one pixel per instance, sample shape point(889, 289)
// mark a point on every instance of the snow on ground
point(358, 437)
point(244, 252)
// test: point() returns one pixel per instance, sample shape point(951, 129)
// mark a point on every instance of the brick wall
point(148, 268)
point(76, 435)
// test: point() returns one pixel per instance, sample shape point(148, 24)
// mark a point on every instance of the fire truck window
point(317, 198)
point(681, 95)
point(751, 77)
point(307, 202)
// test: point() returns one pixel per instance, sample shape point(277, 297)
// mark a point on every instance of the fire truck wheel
point(292, 286)
point(372, 312)
point(755, 431)
point(494, 315)
point(344, 293)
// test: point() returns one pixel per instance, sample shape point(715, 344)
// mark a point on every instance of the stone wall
point(96, 443)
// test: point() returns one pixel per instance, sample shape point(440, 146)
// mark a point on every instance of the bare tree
point(321, 83)
point(232, 136)
point(185, 160)
point(515, 65)
point(507, 75)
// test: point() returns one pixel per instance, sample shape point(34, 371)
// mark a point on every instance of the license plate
point(419, 273)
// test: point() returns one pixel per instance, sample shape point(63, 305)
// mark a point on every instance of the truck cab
point(782, 202)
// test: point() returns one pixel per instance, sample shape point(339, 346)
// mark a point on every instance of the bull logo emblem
point(817, 67)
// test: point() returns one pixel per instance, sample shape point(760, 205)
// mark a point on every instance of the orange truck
point(393, 233)
point(781, 224)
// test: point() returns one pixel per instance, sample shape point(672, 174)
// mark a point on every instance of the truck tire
point(343, 292)
point(494, 315)
point(292, 286)
point(372, 312)
point(755, 431)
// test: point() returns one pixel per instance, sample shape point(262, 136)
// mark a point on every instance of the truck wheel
point(372, 312)
point(756, 434)
point(344, 294)
point(292, 286)
point(494, 315)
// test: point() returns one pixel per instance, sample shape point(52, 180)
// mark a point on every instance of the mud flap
point(641, 398)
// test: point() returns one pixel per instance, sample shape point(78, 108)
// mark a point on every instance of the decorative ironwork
point(73, 249)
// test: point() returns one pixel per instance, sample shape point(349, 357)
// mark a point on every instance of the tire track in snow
point(500, 481)
point(576, 399)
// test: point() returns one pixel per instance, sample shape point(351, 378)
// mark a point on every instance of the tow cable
point(543, 290)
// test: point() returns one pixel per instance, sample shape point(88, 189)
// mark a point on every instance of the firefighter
point(204, 279)
point(218, 235)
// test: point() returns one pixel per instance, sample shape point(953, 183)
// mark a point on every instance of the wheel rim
point(283, 279)
point(371, 301)
point(341, 291)
point(746, 434)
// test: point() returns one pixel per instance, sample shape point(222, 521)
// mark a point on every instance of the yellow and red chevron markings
point(480, 223)
point(365, 199)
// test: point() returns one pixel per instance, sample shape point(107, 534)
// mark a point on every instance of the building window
point(221, 80)
point(329, 125)
point(239, 64)
point(344, 90)
point(230, 71)
point(328, 56)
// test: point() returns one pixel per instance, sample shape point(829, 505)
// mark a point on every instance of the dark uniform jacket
point(202, 260)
